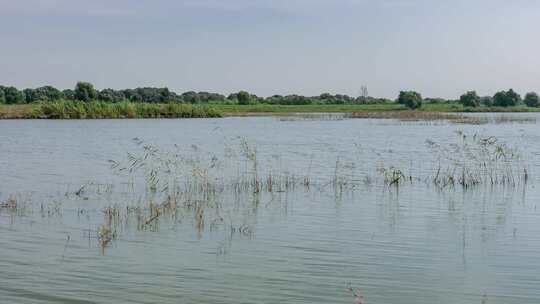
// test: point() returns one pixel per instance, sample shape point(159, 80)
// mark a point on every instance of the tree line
point(510, 98)
point(86, 92)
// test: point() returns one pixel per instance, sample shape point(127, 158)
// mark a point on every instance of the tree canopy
point(243, 98)
point(12, 95)
point(470, 99)
point(85, 92)
point(532, 99)
point(411, 99)
point(46, 93)
point(2, 95)
point(506, 98)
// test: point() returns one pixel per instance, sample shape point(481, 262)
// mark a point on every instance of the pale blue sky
point(440, 48)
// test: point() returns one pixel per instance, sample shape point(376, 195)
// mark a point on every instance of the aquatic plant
point(15, 205)
point(107, 231)
point(185, 183)
point(393, 176)
point(357, 296)
point(475, 160)
point(250, 153)
point(11, 203)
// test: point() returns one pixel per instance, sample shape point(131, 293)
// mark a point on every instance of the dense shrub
point(506, 98)
point(532, 99)
point(411, 99)
point(470, 99)
point(125, 109)
point(85, 91)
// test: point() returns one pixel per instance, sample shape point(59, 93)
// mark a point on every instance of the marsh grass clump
point(393, 176)
point(183, 184)
point(15, 205)
point(477, 160)
point(107, 232)
point(343, 177)
point(11, 204)
point(250, 153)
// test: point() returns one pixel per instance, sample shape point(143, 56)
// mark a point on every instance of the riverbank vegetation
point(101, 110)
point(84, 101)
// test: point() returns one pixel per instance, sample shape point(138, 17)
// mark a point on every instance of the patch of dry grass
point(16, 111)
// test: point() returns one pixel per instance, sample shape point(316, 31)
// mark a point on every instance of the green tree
point(2, 96)
point(46, 93)
point(191, 97)
point(84, 91)
point(470, 99)
point(327, 98)
point(532, 99)
point(106, 95)
point(411, 99)
point(50, 93)
point(506, 98)
point(110, 95)
point(28, 95)
point(13, 96)
point(69, 94)
point(486, 101)
point(243, 97)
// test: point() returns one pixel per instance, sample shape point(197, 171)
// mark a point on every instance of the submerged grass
point(15, 205)
point(477, 160)
point(409, 115)
point(11, 204)
point(470, 161)
point(221, 193)
point(452, 117)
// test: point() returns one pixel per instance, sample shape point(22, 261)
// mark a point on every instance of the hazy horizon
point(439, 48)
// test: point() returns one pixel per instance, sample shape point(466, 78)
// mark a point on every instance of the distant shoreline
point(130, 110)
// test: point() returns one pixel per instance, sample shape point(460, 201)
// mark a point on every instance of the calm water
point(415, 244)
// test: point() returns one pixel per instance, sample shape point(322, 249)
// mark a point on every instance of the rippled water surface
point(415, 243)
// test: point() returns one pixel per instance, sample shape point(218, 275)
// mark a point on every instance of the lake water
point(416, 243)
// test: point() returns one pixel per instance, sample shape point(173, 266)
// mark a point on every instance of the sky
point(440, 48)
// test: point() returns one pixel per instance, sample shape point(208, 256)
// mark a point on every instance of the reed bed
point(16, 111)
point(393, 176)
point(16, 205)
point(477, 160)
point(223, 193)
point(470, 161)
point(102, 110)
point(10, 204)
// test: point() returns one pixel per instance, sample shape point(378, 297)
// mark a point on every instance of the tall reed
point(102, 110)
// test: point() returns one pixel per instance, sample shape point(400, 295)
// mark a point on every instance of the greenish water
point(413, 244)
